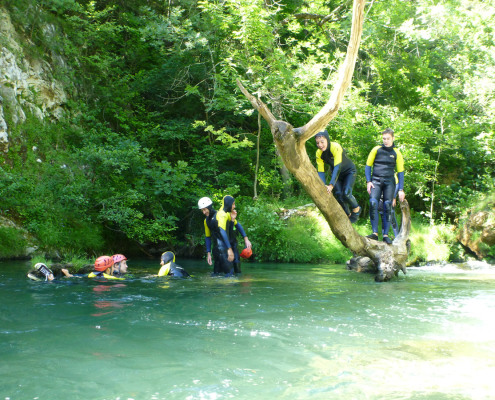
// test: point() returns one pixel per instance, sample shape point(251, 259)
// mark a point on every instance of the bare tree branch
point(329, 111)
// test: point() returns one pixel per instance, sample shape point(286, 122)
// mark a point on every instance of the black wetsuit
point(212, 237)
point(383, 161)
point(177, 271)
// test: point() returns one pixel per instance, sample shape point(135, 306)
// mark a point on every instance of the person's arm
point(402, 195)
point(66, 273)
point(208, 244)
point(243, 233)
point(367, 170)
point(399, 165)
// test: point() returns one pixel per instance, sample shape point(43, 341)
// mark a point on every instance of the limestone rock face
point(25, 85)
point(477, 230)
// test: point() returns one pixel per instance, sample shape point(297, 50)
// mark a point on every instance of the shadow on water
point(277, 331)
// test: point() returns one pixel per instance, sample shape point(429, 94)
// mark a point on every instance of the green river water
point(280, 331)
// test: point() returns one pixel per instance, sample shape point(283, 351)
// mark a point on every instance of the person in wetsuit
point(227, 221)
point(380, 169)
point(104, 268)
point(343, 173)
point(211, 232)
point(170, 268)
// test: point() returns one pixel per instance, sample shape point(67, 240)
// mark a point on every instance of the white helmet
point(204, 202)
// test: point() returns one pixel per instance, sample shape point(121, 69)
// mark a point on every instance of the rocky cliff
point(26, 84)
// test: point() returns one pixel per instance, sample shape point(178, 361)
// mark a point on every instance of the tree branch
point(321, 19)
point(329, 110)
point(257, 104)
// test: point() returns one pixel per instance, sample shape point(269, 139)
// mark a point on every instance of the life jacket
point(98, 274)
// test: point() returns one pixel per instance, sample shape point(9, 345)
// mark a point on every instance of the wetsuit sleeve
point(396, 186)
point(207, 238)
point(400, 185)
point(369, 163)
point(367, 173)
point(240, 228)
point(336, 150)
point(225, 238)
point(399, 165)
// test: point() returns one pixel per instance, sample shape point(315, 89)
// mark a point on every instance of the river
point(280, 331)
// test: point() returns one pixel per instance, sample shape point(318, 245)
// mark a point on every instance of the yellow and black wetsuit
point(380, 169)
point(226, 228)
point(170, 268)
point(343, 172)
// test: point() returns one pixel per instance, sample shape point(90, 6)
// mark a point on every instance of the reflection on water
point(279, 331)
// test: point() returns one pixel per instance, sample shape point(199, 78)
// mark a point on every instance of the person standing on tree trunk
point(343, 173)
point(380, 168)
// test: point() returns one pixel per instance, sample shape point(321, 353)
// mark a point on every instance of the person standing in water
point(343, 173)
point(382, 163)
point(225, 216)
point(212, 233)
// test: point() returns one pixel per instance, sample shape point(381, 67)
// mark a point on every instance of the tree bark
point(386, 259)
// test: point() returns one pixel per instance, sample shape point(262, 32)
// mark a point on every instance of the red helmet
point(118, 258)
point(246, 253)
point(103, 262)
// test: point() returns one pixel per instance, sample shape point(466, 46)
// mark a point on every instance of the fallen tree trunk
point(290, 141)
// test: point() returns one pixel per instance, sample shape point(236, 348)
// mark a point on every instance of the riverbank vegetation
point(154, 120)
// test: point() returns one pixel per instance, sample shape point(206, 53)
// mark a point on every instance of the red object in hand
point(246, 253)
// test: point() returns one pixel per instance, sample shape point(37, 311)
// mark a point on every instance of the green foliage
point(12, 242)
point(432, 242)
point(297, 239)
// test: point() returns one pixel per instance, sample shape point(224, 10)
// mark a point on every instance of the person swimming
point(104, 268)
point(170, 268)
point(119, 265)
point(41, 272)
